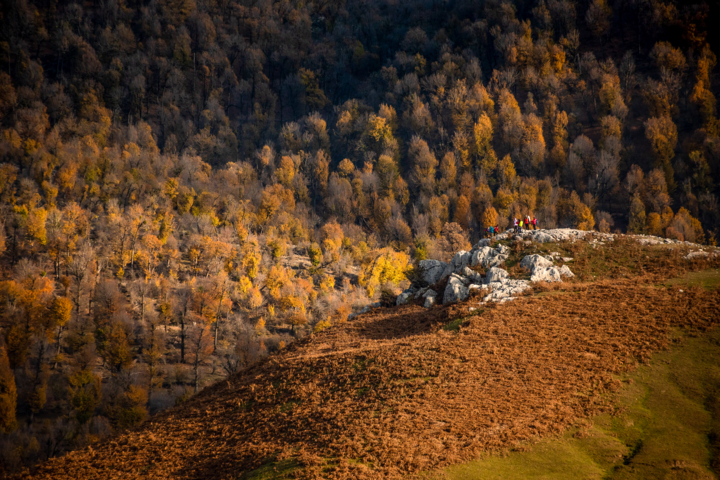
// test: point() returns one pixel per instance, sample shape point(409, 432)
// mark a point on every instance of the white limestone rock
point(496, 274)
point(431, 270)
point(479, 255)
point(430, 298)
point(506, 289)
point(697, 254)
point(545, 274)
point(420, 293)
point(404, 297)
point(566, 272)
point(531, 262)
point(472, 275)
point(489, 257)
point(475, 286)
point(457, 264)
point(557, 235)
point(455, 291)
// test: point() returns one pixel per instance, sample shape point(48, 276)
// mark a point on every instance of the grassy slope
point(667, 423)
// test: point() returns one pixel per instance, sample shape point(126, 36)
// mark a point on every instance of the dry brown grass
point(391, 392)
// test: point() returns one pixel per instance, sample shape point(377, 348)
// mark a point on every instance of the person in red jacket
point(534, 223)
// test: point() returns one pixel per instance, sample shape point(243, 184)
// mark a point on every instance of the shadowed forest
point(189, 185)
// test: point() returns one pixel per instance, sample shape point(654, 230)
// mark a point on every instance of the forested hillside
point(188, 185)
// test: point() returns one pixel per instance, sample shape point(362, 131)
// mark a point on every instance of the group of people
point(526, 223)
point(492, 231)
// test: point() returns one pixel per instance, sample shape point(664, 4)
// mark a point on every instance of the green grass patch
point(287, 406)
point(551, 293)
point(454, 326)
point(362, 391)
point(668, 427)
point(360, 365)
point(273, 470)
point(708, 279)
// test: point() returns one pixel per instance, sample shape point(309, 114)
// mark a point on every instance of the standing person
point(527, 222)
point(534, 223)
point(521, 225)
point(516, 225)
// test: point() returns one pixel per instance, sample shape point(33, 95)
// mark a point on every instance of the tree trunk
point(57, 352)
point(182, 335)
point(217, 327)
point(197, 363)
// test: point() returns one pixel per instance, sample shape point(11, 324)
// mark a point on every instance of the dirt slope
point(392, 392)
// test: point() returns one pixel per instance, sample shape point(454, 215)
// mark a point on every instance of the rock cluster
point(496, 285)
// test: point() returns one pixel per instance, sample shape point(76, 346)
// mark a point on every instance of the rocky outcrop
point(496, 285)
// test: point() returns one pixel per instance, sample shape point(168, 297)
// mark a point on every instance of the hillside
point(397, 391)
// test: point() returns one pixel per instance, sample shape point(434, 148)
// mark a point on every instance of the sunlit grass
point(667, 426)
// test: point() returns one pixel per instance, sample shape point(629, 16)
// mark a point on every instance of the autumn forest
point(187, 186)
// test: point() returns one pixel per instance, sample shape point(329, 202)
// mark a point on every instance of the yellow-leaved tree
point(489, 217)
point(386, 266)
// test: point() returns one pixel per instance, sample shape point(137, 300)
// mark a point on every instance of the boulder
point(545, 274)
point(503, 291)
point(479, 255)
point(430, 293)
point(496, 274)
point(457, 264)
point(404, 297)
point(475, 286)
point(455, 291)
point(566, 272)
point(531, 262)
point(542, 237)
point(485, 242)
point(431, 271)
point(495, 260)
point(472, 275)
point(696, 254)
point(557, 235)
point(420, 293)
point(489, 257)
point(430, 298)
point(429, 301)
